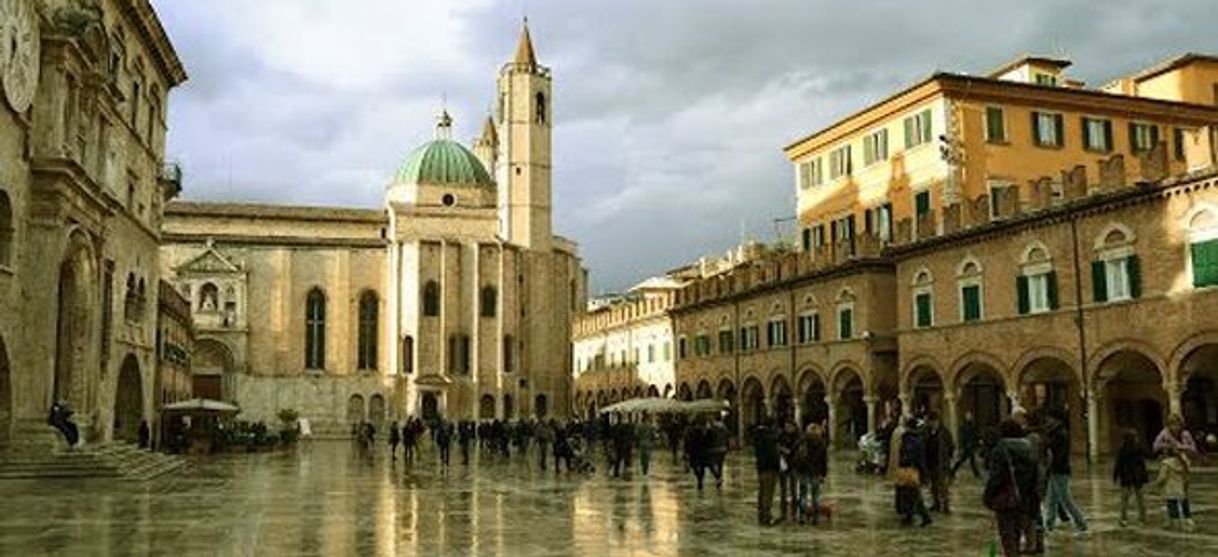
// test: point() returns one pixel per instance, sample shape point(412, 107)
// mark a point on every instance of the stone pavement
point(327, 500)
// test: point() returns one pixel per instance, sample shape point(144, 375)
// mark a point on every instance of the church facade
point(455, 299)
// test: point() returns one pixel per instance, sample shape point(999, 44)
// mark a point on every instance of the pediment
point(210, 262)
point(433, 379)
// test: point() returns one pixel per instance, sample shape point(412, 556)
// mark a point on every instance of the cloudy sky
point(670, 116)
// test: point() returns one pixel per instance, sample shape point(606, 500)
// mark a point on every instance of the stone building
point(455, 299)
point(82, 186)
point(1055, 251)
point(175, 342)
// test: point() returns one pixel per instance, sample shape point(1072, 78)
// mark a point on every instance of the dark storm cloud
point(671, 115)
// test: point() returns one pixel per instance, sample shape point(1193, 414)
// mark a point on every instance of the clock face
point(21, 59)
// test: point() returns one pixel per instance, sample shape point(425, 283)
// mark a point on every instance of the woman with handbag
point(911, 469)
point(1011, 485)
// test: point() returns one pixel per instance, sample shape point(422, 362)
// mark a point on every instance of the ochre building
point(971, 244)
point(454, 299)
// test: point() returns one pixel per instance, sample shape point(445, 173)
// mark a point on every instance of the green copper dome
point(443, 161)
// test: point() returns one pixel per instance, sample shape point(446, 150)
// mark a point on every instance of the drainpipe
point(1088, 389)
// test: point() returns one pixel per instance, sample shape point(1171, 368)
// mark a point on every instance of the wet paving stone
point(325, 499)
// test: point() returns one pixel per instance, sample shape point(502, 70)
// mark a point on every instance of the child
point(1173, 478)
point(1130, 473)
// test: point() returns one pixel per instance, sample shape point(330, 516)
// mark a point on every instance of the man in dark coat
point(968, 445)
point(766, 455)
point(939, 450)
point(1011, 479)
point(911, 474)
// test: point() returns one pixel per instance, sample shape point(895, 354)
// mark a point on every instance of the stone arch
point(969, 266)
point(668, 390)
point(684, 392)
point(1023, 364)
point(129, 400)
point(704, 389)
point(6, 394)
point(1106, 351)
point(1132, 384)
point(1195, 365)
point(922, 277)
point(726, 391)
point(980, 382)
point(1035, 251)
point(812, 390)
point(960, 367)
point(376, 410)
point(1112, 235)
point(926, 388)
point(842, 371)
point(924, 361)
point(848, 408)
point(752, 401)
point(1182, 352)
point(653, 391)
point(782, 398)
point(486, 406)
point(75, 323)
point(355, 409)
point(212, 367)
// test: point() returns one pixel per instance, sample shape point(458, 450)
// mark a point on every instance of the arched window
point(315, 330)
point(969, 280)
point(923, 300)
point(845, 314)
point(408, 354)
point(6, 230)
point(490, 298)
point(369, 306)
point(1115, 272)
point(431, 299)
point(540, 117)
point(1036, 285)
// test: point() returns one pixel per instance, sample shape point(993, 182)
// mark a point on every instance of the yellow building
point(954, 150)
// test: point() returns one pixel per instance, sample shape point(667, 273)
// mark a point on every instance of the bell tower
point(524, 118)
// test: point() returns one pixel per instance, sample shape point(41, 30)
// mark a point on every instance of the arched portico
point(1048, 385)
point(76, 297)
point(704, 390)
point(752, 402)
point(981, 394)
point(129, 401)
point(727, 392)
point(814, 406)
point(848, 409)
point(1133, 397)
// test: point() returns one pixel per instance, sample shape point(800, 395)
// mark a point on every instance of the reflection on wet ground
point(325, 500)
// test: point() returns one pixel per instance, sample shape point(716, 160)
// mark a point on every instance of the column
point(1175, 394)
point(1093, 424)
point(871, 401)
point(831, 429)
point(952, 416)
point(905, 399)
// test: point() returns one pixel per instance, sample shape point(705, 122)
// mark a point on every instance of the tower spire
point(524, 49)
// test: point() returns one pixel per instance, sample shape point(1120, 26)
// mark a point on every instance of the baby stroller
point(873, 455)
point(579, 457)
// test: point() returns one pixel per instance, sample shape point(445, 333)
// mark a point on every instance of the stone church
point(454, 299)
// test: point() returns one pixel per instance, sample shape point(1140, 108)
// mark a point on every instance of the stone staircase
point(47, 456)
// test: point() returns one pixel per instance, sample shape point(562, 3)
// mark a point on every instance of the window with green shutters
point(917, 129)
point(921, 203)
point(1116, 279)
point(1142, 137)
point(995, 125)
point(923, 309)
point(970, 299)
point(1036, 293)
point(1205, 263)
point(1097, 134)
point(1048, 129)
point(845, 323)
point(726, 344)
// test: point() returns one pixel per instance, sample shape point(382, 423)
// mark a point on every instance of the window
point(1097, 134)
point(922, 203)
point(776, 333)
point(651, 353)
point(489, 301)
point(808, 328)
point(681, 355)
point(917, 129)
point(923, 310)
point(845, 323)
point(749, 338)
point(839, 162)
point(995, 125)
point(1142, 137)
point(1115, 279)
point(408, 354)
point(818, 235)
point(806, 239)
point(810, 173)
point(369, 307)
point(883, 217)
point(315, 330)
point(843, 229)
point(875, 147)
point(1203, 247)
point(431, 299)
point(1047, 80)
point(726, 342)
point(540, 103)
point(970, 302)
point(1047, 129)
point(702, 346)
point(6, 230)
point(667, 351)
point(1178, 145)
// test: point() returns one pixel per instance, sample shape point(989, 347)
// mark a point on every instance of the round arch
point(812, 392)
point(981, 388)
point(782, 399)
point(75, 322)
point(684, 392)
point(704, 390)
point(1133, 395)
point(926, 389)
point(355, 409)
point(129, 400)
point(849, 411)
point(1185, 351)
point(1100, 373)
point(653, 391)
point(212, 365)
point(752, 401)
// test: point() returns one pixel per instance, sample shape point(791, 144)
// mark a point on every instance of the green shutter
point(1036, 128)
point(1099, 282)
point(1134, 268)
point(1060, 129)
point(1133, 137)
point(926, 131)
point(1083, 125)
point(816, 327)
point(845, 324)
point(1154, 135)
point(993, 124)
point(1051, 283)
point(1021, 289)
point(909, 132)
point(1205, 263)
point(922, 203)
point(971, 296)
point(1108, 146)
point(922, 301)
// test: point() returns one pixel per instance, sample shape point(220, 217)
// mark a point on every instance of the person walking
point(1060, 498)
point(766, 455)
point(645, 437)
point(939, 450)
point(788, 442)
point(968, 445)
point(716, 436)
point(911, 469)
point(811, 465)
point(443, 437)
point(1174, 436)
point(1010, 483)
point(1173, 480)
point(465, 437)
point(545, 440)
point(697, 451)
point(395, 437)
point(1130, 474)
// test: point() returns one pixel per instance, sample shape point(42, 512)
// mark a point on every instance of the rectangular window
point(875, 147)
point(970, 299)
point(811, 173)
point(807, 328)
point(922, 203)
point(667, 351)
point(1047, 129)
point(922, 308)
point(1205, 263)
point(726, 342)
point(839, 162)
point(1142, 137)
point(1097, 134)
point(1037, 293)
point(1178, 146)
point(806, 239)
point(749, 338)
point(1116, 279)
point(1047, 80)
point(884, 222)
point(681, 354)
point(651, 353)
point(845, 323)
point(776, 333)
point(917, 129)
point(997, 190)
point(995, 125)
